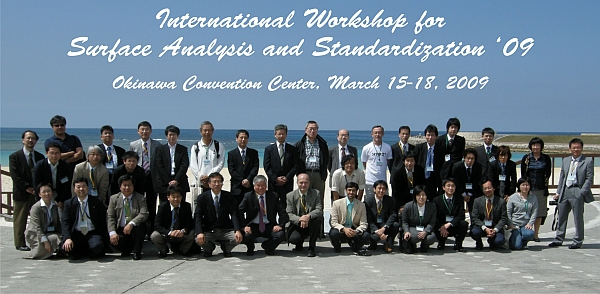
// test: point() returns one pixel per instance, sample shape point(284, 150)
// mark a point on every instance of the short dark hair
point(106, 128)
point(431, 129)
point(58, 119)
point(352, 185)
point(126, 177)
point(144, 124)
point(470, 150)
point(172, 129)
point(575, 141)
point(172, 189)
point(237, 134)
point(43, 184)
point(380, 182)
point(404, 128)
point(504, 150)
point(453, 122)
point(30, 131)
point(417, 190)
point(53, 145)
point(281, 127)
point(451, 180)
point(377, 126)
point(347, 157)
point(410, 154)
point(214, 175)
point(130, 154)
point(80, 180)
point(521, 181)
point(536, 140)
point(488, 130)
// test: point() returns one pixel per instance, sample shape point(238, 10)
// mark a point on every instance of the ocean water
point(10, 138)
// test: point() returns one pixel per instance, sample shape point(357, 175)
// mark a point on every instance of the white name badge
point(492, 158)
point(83, 224)
point(469, 186)
point(206, 162)
point(379, 220)
point(571, 177)
point(420, 228)
point(527, 216)
point(449, 218)
point(447, 157)
point(94, 192)
point(487, 222)
point(265, 218)
point(430, 168)
point(50, 229)
point(379, 163)
point(312, 159)
point(109, 165)
point(64, 180)
point(411, 191)
point(502, 178)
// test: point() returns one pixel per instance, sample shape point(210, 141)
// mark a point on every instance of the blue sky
point(553, 88)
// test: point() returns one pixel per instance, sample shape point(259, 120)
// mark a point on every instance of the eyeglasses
point(59, 126)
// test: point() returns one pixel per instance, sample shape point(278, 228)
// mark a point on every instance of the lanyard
point(92, 179)
point(49, 215)
point(379, 207)
point(446, 203)
point(378, 153)
point(207, 148)
point(83, 210)
point(489, 211)
point(264, 209)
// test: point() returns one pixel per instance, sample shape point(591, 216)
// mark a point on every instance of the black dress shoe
point(227, 254)
point(424, 248)
point(268, 250)
point(441, 246)
point(478, 245)
point(574, 246)
point(554, 244)
point(459, 248)
point(23, 248)
point(298, 248)
point(162, 254)
point(250, 252)
point(207, 254)
point(137, 256)
point(409, 248)
point(311, 253)
point(125, 254)
point(337, 249)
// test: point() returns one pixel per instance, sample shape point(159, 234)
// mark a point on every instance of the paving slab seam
point(153, 277)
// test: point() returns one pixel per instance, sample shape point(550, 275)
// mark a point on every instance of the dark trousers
point(281, 192)
point(477, 233)
point(391, 232)
point(358, 241)
point(20, 213)
point(90, 244)
point(298, 234)
point(458, 232)
point(432, 187)
point(150, 202)
point(132, 242)
point(273, 238)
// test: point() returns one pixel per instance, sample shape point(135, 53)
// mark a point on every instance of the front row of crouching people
point(87, 228)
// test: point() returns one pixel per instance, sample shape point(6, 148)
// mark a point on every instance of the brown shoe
point(387, 248)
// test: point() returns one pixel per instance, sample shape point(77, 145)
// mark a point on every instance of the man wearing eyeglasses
point(71, 149)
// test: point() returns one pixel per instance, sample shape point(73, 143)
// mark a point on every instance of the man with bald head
point(305, 214)
point(337, 152)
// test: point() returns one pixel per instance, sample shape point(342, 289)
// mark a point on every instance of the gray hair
point(204, 123)
point(95, 149)
point(258, 179)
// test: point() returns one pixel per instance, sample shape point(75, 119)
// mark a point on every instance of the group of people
point(82, 203)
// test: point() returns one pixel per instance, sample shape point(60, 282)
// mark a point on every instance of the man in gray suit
point(306, 215)
point(146, 150)
point(574, 188)
point(337, 152)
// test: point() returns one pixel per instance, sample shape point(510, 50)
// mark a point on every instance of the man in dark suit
point(262, 208)
point(21, 165)
point(486, 153)
point(451, 146)
point(400, 149)
point(242, 164)
point(127, 215)
point(83, 223)
point(574, 189)
point(306, 214)
point(468, 177)
point(382, 217)
point(450, 217)
point(113, 155)
point(173, 224)
point(337, 152)
point(146, 151)
point(430, 157)
point(55, 171)
point(281, 164)
point(503, 173)
point(408, 176)
point(129, 167)
point(488, 218)
point(172, 163)
point(217, 218)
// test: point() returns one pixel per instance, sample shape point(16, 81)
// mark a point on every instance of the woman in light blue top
point(522, 211)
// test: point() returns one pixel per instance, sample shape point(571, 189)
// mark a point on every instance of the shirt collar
point(106, 147)
point(340, 147)
point(448, 198)
point(172, 147)
point(26, 152)
point(486, 146)
point(348, 202)
point(44, 203)
point(84, 199)
point(240, 149)
point(450, 138)
point(213, 194)
point(125, 197)
point(576, 159)
point(173, 207)
point(53, 165)
point(429, 146)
